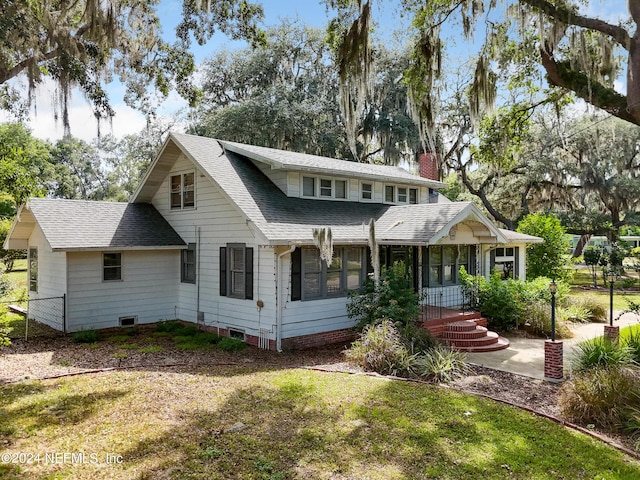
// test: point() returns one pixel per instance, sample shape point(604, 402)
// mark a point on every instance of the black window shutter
point(472, 260)
point(248, 273)
point(492, 261)
point(425, 267)
point(296, 275)
point(368, 261)
point(516, 264)
point(223, 271)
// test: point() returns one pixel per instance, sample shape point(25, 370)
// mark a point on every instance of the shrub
point(5, 341)
point(630, 338)
point(380, 349)
point(229, 344)
point(417, 339)
point(86, 336)
point(441, 364)
point(548, 258)
point(601, 352)
point(596, 311)
point(538, 318)
point(602, 396)
point(394, 298)
point(574, 313)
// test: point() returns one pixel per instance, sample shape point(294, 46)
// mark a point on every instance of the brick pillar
point(612, 333)
point(553, 361)
point(429, 165)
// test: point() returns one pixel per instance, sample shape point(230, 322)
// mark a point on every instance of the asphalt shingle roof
point(313, 163)
point(283, 219)
point(81, 225)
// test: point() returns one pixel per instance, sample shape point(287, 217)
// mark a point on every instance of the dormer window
point(366, 191)
point(308, 187)
point(389, 194)
point(327, 188)
point(413, 196)
point(402, 195)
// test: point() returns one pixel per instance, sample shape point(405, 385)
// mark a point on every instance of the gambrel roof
point(91, 225)
point(283, 220)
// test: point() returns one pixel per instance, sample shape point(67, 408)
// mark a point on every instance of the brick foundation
point(318, 339)
point(612, 333)
point(553, 361)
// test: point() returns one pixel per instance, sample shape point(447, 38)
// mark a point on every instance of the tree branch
point(561, 75)
point(571, 17)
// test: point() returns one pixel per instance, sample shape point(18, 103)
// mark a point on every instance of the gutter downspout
point(278, 303)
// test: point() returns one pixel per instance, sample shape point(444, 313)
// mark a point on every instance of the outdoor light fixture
point(553, 288)
point(611, 278)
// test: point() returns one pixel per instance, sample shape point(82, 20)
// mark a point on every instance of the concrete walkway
point(525, 356)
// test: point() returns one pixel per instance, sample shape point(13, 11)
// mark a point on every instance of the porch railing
point(440, 302)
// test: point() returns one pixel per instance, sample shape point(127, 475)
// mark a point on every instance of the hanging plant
point(323, 239)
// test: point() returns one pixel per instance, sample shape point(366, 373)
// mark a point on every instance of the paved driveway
point(525, 356)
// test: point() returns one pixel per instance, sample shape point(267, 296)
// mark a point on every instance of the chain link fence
point(34, 317)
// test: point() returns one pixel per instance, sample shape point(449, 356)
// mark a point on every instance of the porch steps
point(468, 336)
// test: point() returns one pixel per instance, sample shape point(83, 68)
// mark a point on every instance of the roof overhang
point(276, 165)
point(472, 217)
point(21, 229)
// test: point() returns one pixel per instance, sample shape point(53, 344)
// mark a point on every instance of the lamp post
point(553, 288)
point(611, 278)
point(610, 332)
point(553, 355)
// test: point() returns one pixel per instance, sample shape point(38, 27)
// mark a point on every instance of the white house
point(221, 234)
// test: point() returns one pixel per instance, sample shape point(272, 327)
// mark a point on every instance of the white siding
point(147, 289)
point(278, 177)
point(52, 275)
point(217, 222)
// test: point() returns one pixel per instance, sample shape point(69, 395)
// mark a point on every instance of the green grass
point(619, 298)
point(290, 424)
point(18, 276)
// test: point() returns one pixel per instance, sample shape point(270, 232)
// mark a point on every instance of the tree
point(84, 43)
point(24, 163)
point(592, 258)
point(78, 171)
point(548, 259)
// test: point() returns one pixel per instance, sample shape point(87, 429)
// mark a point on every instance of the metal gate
point(36, 317)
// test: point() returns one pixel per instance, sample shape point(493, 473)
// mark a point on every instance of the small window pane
point(367, 190)
point(112, 266)
point(509, 252)
point(237, 283)
point(341, 189)
point(176, 189)
point(435, 256)
point(311, 285)
point(389, 193)
point(402, 195)
point(33, 269)
point(189, 190)
point(413, 196)
point(499, 252)
point(308, 186)
point(237, 259)
point(463, 254)
point(325, 188)
point(435, 275)
point(449, 254)
point(311, 260)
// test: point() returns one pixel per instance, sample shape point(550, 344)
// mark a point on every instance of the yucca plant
point(441, 364)
point(601, 352)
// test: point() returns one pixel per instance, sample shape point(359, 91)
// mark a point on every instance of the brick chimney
point(428, 163)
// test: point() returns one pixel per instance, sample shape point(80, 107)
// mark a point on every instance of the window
point(188, 266)
point(236, 271)
point(320, 280)
point(389, 194)
point(183, 191)
point(111, 266)
point(341, 189)
point(33, 269)
point(308, 186)
point(504, 261)
point(402, 195)
point(444, 264)
point(504, 252)
point(326, 188)
point(413, 196)
point(367, 191)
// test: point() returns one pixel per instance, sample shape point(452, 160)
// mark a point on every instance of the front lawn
point(248, 422)
point(603, 296)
